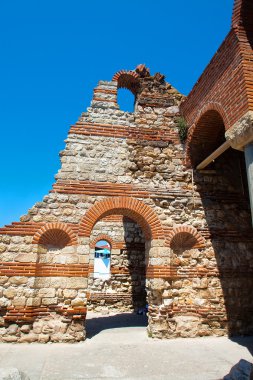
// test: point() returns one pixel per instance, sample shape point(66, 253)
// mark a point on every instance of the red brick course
point(43, 270)
point(29, 314)
point(119, 131)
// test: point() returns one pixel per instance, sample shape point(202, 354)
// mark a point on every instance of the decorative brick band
point(110, 297)
point(232, 235)
point(30, 313)
point(43, 270)
point(99, 188)
point(123, 271)
point(28, 228)
point(130, 207)
point(103, 91)
point(58, 234)
point(96, 99)
point(12, 269)
point(156, 271)
point(21, 228)
point(207, 312)
point(175, 272)
point(119, 131)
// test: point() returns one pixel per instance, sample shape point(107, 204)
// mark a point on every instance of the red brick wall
point(226, 86)
point(221, 87)
point(227, 81)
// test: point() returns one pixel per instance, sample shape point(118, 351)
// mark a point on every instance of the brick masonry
point(225, 89)
point(181, 240)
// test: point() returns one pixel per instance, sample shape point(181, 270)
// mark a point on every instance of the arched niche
point(205, 137)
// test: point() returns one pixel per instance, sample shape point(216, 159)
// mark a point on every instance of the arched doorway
point(204, 137)
point(131, 228)
point(117, 266)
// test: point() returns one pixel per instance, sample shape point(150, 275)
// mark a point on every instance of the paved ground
point(118, 348)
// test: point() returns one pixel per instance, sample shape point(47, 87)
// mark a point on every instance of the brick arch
point(102, 237)
point(185, 237)
point(213, 106)
point(127, 79)
point(206, 134)
point(56, 234)
point(130, 207)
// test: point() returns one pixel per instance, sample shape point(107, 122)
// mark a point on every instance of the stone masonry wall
point(123, 173)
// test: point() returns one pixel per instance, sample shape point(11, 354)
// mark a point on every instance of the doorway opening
point(117, 284)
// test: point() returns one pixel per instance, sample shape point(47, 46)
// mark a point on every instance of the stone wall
point(185, 235)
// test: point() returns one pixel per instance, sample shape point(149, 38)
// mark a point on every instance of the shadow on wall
point(95, 325)
point(223, 190)
point(136, 258)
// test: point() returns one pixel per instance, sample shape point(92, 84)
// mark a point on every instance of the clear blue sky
point(53, 52)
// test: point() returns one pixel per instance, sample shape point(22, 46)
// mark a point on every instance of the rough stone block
point(76, 283)
point(69, 293)
point(10, 292)
point(18, 280)
point(26, 258)
point(19, 301)
point(33, 301)
point(46, 292)
point(12, 329)
point(28, 338)
point(49, 301)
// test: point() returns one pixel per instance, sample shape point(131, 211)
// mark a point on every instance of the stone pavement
point(117, 347)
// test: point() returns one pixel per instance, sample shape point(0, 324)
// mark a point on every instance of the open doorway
point(117, 282)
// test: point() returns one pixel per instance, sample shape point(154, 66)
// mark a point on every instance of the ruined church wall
point(193, 289)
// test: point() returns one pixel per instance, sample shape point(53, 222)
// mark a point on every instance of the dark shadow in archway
point(136, 257)
point(95, 325)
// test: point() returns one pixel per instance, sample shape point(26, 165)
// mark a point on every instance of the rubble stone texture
point(179, 239)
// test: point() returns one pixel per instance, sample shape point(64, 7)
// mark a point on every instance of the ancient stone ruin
point(149, 208)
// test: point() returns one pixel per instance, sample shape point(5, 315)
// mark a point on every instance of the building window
point(102, 260)
point(126, 100)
